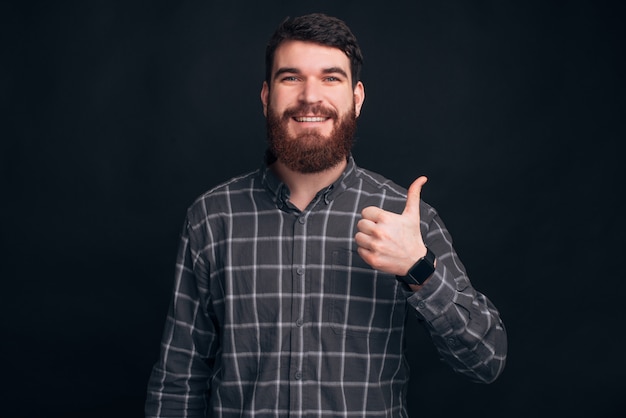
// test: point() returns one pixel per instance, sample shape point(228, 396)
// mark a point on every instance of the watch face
point(423, 269)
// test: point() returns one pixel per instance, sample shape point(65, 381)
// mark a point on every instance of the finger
point(364, 253)
point(363, 241)
point(366, 226)
point(372, 213)
point(413, 197)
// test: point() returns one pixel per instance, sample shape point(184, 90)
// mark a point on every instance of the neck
point(304, 186)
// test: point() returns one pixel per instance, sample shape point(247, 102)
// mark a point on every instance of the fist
point(391, 242)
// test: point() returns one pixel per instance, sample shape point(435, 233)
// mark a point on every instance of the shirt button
point(299, 322)
point(298, 375)
point(301, 220)
point(452, 341)
point(300, 271)
point(421, 305)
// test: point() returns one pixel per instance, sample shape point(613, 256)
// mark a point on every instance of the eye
point(332, 79)
point(290, 78)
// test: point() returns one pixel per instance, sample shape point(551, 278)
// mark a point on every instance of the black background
point(116, 115)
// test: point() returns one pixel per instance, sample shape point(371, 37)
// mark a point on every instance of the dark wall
point(116, 115)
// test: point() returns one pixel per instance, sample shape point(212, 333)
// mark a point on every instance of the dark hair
point(321, 29)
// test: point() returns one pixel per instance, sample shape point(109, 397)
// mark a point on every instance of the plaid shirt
point(274, 313)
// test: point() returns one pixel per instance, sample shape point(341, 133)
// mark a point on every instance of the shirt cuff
point(436, 295)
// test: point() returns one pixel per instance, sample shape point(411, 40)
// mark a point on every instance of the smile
point(310, 119)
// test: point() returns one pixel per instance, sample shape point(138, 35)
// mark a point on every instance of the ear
point(359, 97)
point(265, 92)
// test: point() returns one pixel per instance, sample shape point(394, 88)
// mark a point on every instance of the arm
point(179, 382)
point(465, 326)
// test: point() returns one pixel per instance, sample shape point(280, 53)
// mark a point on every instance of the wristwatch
point(421, 270)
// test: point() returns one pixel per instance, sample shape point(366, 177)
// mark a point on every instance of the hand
point(390, 242)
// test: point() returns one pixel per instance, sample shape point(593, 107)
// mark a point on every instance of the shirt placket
point(297, 372)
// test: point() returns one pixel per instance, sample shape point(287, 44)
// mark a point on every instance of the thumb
point(412, 207)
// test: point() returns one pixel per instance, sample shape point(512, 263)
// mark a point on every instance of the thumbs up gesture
point(390, 242)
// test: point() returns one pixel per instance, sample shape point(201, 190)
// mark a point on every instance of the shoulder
point(380, 183)
point(234, 185)
point(374, 189)
point(219, 198)
point(394, 194)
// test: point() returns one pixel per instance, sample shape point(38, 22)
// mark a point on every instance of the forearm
point(465, 326)
point(175, 394)
point(178, 385)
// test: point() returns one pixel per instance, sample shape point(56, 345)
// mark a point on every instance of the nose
point(311, 92)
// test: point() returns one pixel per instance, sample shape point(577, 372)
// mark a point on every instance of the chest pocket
point(364, 302)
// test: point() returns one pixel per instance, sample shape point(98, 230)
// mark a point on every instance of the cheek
point(277, 107)
point(281, 98)
point(349, 107)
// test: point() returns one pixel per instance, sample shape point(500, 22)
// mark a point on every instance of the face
point(311, 106)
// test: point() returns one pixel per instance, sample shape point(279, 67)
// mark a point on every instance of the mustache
point(308, 109)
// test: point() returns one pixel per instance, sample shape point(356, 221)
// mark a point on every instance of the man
point(294, 281)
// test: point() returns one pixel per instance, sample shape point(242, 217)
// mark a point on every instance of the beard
point(310, 152)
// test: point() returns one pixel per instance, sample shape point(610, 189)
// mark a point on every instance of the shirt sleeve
point(464, 325)
point(179, 382)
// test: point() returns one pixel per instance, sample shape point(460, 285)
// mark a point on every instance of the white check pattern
point(274, 314)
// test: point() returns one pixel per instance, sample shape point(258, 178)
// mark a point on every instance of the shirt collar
point(280, 192)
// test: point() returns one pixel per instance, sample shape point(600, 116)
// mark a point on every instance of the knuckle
point(373, 261)
point(376, 246)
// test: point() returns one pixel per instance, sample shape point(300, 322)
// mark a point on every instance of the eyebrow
point(335, 70)
point(292, 70)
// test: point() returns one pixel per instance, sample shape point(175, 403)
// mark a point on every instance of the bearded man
point(294, 281)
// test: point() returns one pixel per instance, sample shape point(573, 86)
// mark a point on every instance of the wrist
point(421, 270)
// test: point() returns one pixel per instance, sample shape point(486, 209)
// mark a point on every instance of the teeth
point(311, 119)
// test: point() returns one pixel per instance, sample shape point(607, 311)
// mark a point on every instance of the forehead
point(309, 56)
